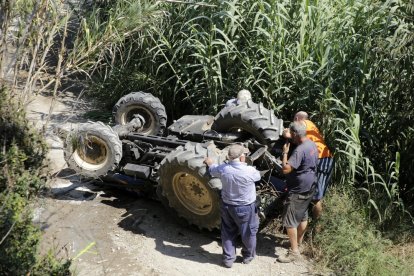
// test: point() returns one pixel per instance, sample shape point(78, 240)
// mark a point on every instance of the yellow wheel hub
point(92, 153)
point(192, 193)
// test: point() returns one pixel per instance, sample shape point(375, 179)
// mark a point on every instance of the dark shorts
point(325, 168)
point(296, 208)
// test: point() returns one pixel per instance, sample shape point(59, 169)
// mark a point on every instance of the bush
point(347, 243)
point(49, 265)
point(292, 56)
point(347, 62)
point(21, 161)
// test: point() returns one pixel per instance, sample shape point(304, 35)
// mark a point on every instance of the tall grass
point(292, 55)
point(348, 63)
point(351, 245)
point(109, 39)
point(357, 174)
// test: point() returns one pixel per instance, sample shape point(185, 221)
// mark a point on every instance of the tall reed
point(292, 55)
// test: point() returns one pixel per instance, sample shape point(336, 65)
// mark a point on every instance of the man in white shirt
point(238, 209)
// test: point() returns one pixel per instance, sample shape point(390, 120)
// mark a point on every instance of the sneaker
point(289, 257)
point(286, 244)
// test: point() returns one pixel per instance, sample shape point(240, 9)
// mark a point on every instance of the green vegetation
point(29, 30)
point(351, 245)
point(349, 63)
point(336, 59)
point(21, 162)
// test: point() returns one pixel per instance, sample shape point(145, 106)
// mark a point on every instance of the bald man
point(325, 160)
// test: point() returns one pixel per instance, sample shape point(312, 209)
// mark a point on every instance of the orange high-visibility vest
point(313, 133)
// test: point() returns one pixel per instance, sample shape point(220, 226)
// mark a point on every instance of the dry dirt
point(112, 232)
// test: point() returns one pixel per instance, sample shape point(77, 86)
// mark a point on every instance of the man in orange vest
point(325, 160)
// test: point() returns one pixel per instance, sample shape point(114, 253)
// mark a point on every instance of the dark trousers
point(236, 220)
point(325, 168)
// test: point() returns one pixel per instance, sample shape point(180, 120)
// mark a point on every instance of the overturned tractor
point(167, 163)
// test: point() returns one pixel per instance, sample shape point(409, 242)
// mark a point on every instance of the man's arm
point(286, 168)
point(212, 168)
point(256, 175)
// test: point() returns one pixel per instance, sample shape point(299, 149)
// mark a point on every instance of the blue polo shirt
point(238, 181)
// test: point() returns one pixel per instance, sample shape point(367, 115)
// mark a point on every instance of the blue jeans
point(236, 220)
point(324, 173)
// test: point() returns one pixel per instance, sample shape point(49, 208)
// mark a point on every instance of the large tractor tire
point(93, 149)
point(187, 189)
point(145, 105)
point(252, 120)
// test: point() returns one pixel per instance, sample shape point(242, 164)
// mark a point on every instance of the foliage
point(108, 38)
point(293, 55)
point(350, 63)
point(29, 145)
point(379, 193)
point(349, 245)
point(50, 265)
point(21, 161)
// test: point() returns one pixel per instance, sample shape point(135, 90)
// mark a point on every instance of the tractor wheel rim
point(192, 193)
point(149, 118)
point(92, 153)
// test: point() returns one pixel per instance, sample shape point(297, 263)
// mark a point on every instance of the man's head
point(236, 151)
point(297, 131)
point(300, 116)
point(243, 96)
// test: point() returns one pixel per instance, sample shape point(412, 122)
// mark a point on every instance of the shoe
point(228, 265)
point(286, 244)
point(289, 257)
point(247, 260)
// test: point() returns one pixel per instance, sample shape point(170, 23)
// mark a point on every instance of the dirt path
point(113, 232)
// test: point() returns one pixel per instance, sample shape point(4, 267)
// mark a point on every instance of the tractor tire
point(254, 120)
point(146, 105)
point(186, 187)
point(93, 149)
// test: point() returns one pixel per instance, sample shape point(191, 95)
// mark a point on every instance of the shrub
point(347, 62)
point(21, 161)
point(291, 55)
point(348, 244)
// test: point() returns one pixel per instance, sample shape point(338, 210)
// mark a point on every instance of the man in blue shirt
point(238, 209)
point(300, 172)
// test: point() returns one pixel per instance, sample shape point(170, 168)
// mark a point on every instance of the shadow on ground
point(147, 217)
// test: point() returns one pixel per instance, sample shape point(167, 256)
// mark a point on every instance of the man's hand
point(208, 161)
point(286, 147)
point(286, 168)
point(286, 133)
